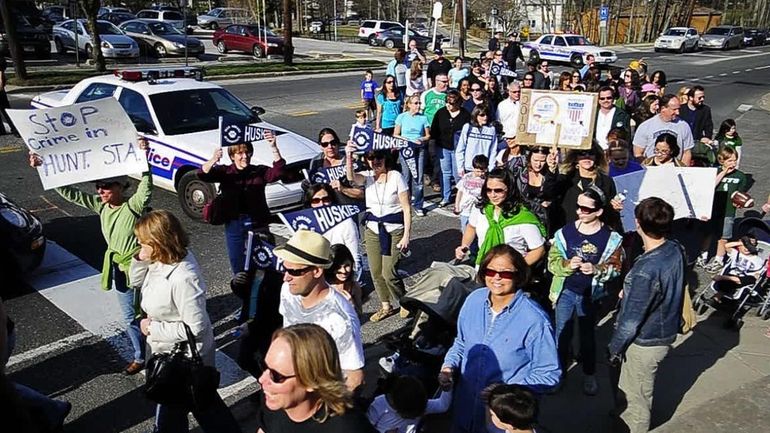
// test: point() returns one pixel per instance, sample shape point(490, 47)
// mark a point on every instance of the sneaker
point(443, 203)
point(701, 262)
point(388, 362)
point(590, 386)
point(419, 212)
point(714, 266)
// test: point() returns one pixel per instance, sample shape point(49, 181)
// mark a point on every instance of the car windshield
point(161, 28)
point(675, 32)
point(189, 111)
point(214, 12)
point(107, 28)
point(717, 31)
point(577, 40)
point(254, 30)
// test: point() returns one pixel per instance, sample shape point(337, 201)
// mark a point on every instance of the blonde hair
point(409, 100)
point(317, 366)
point(242, 147)
point(682, 94)
point(725, 153)
point(162, 231)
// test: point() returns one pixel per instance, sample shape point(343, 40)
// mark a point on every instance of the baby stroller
point(748, 296)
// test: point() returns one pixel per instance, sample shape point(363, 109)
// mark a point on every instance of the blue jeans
point(235, 237)
point(417, 183)
point(448, 170)
point(128, 298)
point(568, 303)
point(215, 419)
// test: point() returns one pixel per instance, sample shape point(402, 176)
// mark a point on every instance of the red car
point(248, 38)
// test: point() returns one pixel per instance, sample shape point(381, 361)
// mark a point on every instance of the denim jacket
point(651, 308)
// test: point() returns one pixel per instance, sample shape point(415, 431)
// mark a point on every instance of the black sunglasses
point(325, 144)
point(497, 190)
point(317, 200)
point(505, 275)
point(298, 272)
point(275, 376)
point(587, 209)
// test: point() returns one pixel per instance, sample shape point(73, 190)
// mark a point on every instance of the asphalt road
point(55, 355)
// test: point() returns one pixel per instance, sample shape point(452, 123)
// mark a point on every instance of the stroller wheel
point(737, 324)
point(766, 314)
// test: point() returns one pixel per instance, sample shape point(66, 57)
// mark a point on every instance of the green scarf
point(495, 236)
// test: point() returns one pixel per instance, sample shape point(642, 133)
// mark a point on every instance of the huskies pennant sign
point(259, 254)
point(365, 139)
point(328, 174)
point(231, 133)
point(501, 70)
point(320, 219)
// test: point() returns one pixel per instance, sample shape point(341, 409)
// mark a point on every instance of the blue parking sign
point(604, 13)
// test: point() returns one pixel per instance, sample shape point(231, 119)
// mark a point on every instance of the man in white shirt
point(508, 110)
point(307, 298)
point(667, 121)
point(609, 117)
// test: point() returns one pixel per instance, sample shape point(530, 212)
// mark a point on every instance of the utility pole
point(288, 47)
point(13, 46)
point(461, 22)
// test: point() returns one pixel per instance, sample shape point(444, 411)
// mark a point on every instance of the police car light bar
point(152, 75)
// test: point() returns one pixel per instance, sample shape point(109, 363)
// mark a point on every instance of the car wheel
point(214, 25)
point(256, 50)
point(389, 44)
point(89, 52)
point(534, 56)
point(372, 41)
point(576, 61)
point(682, 47)
point(160, 50)
point(193, 194)
point(59, 46)
point(221, 47)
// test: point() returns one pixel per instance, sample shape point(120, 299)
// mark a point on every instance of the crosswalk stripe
point(48, 348)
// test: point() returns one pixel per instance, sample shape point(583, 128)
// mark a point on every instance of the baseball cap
point(438, 51)
point(750, 242)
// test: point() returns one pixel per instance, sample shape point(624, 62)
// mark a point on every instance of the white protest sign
point(81, 142)
point(689, 190)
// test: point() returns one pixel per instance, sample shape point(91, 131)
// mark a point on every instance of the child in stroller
point(743, 268)
point(401, 408)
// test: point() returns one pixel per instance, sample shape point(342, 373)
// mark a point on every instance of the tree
point(91, 9)
point(13, 45)
point(288, 47)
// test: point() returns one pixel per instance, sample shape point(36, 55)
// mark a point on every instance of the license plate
point(29, 49)
point(124, 53)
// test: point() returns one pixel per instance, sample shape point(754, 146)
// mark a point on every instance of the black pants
point(4, 104)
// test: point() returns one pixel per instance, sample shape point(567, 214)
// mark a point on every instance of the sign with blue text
point(328, 174)
point(604, 13)
point(81, 142)
point(232, 132)
point(320, 219)
point(366, 139)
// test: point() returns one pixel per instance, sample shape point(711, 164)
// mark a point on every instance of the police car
point(179, 114)
point(567, 48)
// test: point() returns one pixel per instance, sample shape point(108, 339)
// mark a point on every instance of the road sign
point(604, 13)
point(437, 10)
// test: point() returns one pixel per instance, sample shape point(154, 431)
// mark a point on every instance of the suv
point(370, 27)
point(33, 42)
point(723, 37)
point(174, 18)
point(222, 17)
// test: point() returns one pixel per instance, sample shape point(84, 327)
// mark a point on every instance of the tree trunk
point(13, 46)
point(91, 9)
point(288, 46)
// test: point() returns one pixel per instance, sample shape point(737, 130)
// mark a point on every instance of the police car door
point(560, 49)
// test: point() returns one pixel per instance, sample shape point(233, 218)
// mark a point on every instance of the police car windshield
point(577, 40)
point(197, 110)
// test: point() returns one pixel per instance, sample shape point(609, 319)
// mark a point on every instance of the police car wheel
point(534, 56)
point(577, 61)
point(193, 194)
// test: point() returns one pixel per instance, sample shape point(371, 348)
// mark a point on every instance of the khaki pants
point(637, 381)
point(384, 269)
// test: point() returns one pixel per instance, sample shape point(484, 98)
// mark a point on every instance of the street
point(66, 352)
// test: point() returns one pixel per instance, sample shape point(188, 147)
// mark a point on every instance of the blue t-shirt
point(369, 87)
point(631, 167)
point(391, 108)
point(589, 248)
point(455, 76)
point(412, 126)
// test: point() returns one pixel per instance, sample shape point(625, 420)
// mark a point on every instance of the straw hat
point(306, 248)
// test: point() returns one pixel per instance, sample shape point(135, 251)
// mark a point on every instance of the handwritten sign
point(555, 118)
point(81, 142)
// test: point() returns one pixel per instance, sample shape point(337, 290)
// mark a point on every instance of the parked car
point(162, 39)
point(317, 27)
point(33, 41)
point(754, 37)
point(110, 9)
point(180, 117)
point(56, 14)
point(353, 21)
point(117, 17)
point(115, 43)
point(679, 39)
point(22, 243)
point(248, 38)
point(394, 38)
point(222, 17)
point(172, 17)
point(370, 27)
point(568, 48)
point(722, 38)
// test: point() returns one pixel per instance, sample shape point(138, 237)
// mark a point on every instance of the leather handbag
point(214, 212)
point(174, 378)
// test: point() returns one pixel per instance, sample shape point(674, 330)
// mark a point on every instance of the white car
point(567, 48)
point(368, 29)
point(180, 118)
point(115, 43)
point(679, 39)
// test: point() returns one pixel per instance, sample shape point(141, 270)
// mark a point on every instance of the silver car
point(722, 38)
point(174, 18)
point(222, 17)
point(115, 43)
point(161, 38)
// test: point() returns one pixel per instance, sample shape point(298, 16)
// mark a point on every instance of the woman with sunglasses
point(630, 91)
point(575, 79)
point(538, 183)
point(389, 102)
point(118, 213)
point(478, 137)
point(413, 126)
point(322, 194)
point(501, 218)
point(341, 276)
point(585, 255)
point(666, 152)
point(174, 298)
point(479, 97)
point(387, 225)
point(503, 336)
point(333, 156)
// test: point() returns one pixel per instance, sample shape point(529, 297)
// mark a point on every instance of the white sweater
point(174, 295)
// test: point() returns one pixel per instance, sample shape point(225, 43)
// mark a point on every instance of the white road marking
point(731, 58)
point(708, 77)
point(744, 108)
point(749, 70)
point(736, 72)
point(48, 348)
point(723, 75)
point(762, 67)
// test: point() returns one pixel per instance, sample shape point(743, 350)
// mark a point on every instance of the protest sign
point(320, 219)
point(689, 190)
point(366, 139)
point(81, 142)
point(232, 132)
point(556, 118)
point(501, 70)
point(328, 174)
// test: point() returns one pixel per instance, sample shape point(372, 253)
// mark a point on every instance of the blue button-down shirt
point(515, 347)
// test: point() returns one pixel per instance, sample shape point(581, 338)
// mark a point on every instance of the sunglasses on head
point(327, 143)
point(298, 272)
point(318, 200)
point(587, 209)
point(505, 275)
point(275, 376)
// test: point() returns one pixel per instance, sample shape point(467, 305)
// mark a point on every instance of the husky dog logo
point(301, 222)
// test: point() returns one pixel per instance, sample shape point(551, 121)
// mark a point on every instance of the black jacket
point(570, 187)
point(511, 52)
point(699, 120)
point(445, 126)
point(542, 81)
point(620, 119)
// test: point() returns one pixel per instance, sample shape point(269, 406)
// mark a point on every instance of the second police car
point(179, 113)
point(567, 48)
